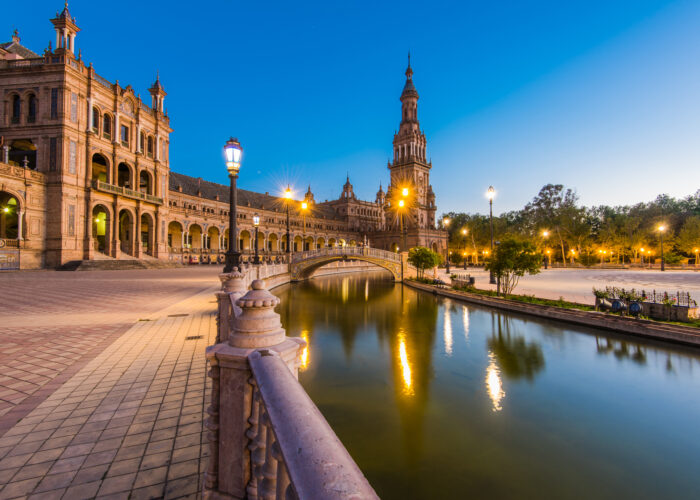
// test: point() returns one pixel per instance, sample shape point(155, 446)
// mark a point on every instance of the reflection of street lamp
point(549, 256)
point(256, 224)
point(445, 223)
point(661, 230)
point(233, 152)
point(287, 198)
point(490, 193)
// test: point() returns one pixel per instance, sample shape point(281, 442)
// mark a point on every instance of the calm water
point(438, 399)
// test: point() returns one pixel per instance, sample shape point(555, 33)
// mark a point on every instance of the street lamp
point(233, 152)
point(288, 197)
point(661, 230)
point(545, 235)
point(256, 224)
point(549, 256)
point(402, 204)
point(641, 250)
point(696, 251)
point(464, 254)
point(446, 223)
point(490, 193)
point(304, 208)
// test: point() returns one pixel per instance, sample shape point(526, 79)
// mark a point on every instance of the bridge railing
point(349, 251)
point(267, 439)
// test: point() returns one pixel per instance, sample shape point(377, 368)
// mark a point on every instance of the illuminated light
point(641, 250)
point(448, 332)
point(494, 386)
point(490, 193)
point(6, 210)
point(366, 290)
point(662, 228)
point(465, 322)
point(545, 233)
point(404, 192)
point(288, 193)
point(97, 219)
point(401, 203)
point(305, 351)
point(233, 152)
point(345, 289)
point(304, 205)
point(548, 252)
point(464, 232)
point(405, 366)
point(446, 221)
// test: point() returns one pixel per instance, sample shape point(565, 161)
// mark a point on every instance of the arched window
point(95, 120)
point(150, 147)
point(16, 108)
point(142, 140)
point(31, 108)
point(107, 127)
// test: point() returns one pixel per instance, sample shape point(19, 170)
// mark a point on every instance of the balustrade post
point(237, 417)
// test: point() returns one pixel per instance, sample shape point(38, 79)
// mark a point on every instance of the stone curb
point(637, 327)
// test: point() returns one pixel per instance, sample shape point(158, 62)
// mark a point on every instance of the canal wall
point(638, 327)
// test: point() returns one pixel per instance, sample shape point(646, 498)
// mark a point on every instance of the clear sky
point(602, 96)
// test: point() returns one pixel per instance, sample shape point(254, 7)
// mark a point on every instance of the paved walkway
point(126, 423)
point(576, 284)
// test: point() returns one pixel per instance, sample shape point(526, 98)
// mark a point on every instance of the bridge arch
point(305, 263)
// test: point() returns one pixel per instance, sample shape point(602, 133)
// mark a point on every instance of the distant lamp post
point(402, 205)
point(256, 224)
point(445, 224)
point(600, 251)
point(661, 230)
point(545, 235)
point(641, 251)
point(287, 200)
point(696, 251)
point(464, 254)
point(233, 152)
point(304, 208)
point(573, 255)
point(549, 256)
point(490, 193)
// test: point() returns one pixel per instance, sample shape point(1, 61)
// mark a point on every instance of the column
point(90, 117)
point(117, 131)
point(157, 146)
point(115, 233)
point(19, 224)
point(6, 154)
point(182, 239)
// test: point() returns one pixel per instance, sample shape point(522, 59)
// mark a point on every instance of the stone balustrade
point(267, 439)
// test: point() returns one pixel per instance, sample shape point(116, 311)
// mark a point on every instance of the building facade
point(85, 174)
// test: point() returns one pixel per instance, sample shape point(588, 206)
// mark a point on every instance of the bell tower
point(66, 29)
point(409, 167)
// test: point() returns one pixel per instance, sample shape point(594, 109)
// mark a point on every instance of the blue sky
point(603, 97)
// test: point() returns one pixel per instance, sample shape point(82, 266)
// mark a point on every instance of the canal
point(439, 399)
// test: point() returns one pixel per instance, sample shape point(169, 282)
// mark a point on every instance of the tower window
point(107, 127)
point(16, 109)
point(149, 151)
point(31, 111)
point(54, 103)
point(125, 135)
point(95, 120)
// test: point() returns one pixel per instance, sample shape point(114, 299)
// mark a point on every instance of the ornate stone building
point(85, 175)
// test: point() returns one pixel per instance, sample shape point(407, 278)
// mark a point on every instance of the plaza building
point(85, 175)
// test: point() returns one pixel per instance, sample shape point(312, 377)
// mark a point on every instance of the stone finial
point(233, 281)
point(258, 325)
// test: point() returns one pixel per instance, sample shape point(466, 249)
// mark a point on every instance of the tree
point(689, 236)
point(423, 258)
point(511, 260)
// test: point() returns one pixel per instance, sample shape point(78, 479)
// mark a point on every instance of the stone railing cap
point(257, 297)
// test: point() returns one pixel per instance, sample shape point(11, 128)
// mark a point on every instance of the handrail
point(347, 251)
point(308, 461)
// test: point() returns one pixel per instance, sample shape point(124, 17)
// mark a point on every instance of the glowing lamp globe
point(233, 152)
point(490, 193)
point(256, 220)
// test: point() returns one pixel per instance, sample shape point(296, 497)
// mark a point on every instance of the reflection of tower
point(410, 168)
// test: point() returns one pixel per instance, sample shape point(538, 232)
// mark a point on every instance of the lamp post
point(545, 235)
point(464, 254)
point(233, 152)
point(304, 208)
point(256, 224)
point(661, 230)
point(641, 251)
point(696, 251)
point(402, 203)
point(490, 194)
point(288, 197)
point(446, 223)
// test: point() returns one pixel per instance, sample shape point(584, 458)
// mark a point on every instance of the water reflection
point(305, 352)
point(420, 413)
point(494, 386)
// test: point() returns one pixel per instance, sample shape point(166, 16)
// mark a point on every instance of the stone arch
point(213, 238)
point(10, 210)
point(273, 243)
point(125, 175)
point(126, 231)
point(147, 234)
point(331, 242)
point(304, 269)
point(244, 241)
point(145, 182)
point(434, 246)
point(101, 228)
point(352, 243)
point(100, 168)
point(175, 232)
point(309, 243)
point(320, 242)
point(283, 243)
point(195, 235)
point(297, 243)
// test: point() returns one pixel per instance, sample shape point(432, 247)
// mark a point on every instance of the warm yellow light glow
point(366, 290)
point(464, 254)
point(305, 351)
point(573, 252)
point(464, 232)
point(446, 221)
point(288, 193)
point(465, 322)
point(494, 386)
point(6, 210)
point(548, 252)
point(662, 228)
point(490, 193)
point(405, 366)
point(448, 332)
point(545, 233)
point(641, 250)
point(97, 219)
point(696, 250)
point(304, 205)
point(401, 203)
point(404, 192)
point(345, 289)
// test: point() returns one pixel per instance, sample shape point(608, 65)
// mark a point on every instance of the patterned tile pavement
point(123, 404)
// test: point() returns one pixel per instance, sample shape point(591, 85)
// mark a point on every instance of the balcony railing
point(349, 251)
point(111, 188)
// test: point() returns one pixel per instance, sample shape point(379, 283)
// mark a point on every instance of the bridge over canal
point(304, 264)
